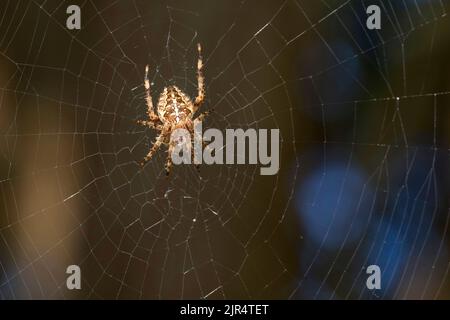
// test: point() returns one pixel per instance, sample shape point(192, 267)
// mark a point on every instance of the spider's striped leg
point(168, 165)
point(159, 141)
point(203, 115)
point(200, 118)
point(200, 80)
point(151, 124)
point(196, 136)
point(152, 116)
point(197, 166)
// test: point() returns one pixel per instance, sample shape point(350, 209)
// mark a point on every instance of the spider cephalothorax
point(175, 110)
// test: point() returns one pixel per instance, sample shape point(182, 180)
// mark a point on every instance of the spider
point(175, 110)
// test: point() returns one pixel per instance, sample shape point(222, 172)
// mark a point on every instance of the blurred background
point(364, 178)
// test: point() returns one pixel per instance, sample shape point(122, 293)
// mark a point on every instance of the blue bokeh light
point(333, 203)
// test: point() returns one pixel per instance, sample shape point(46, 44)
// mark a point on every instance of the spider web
point(363, 119)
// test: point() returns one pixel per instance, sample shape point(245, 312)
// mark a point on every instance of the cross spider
point(175, 110)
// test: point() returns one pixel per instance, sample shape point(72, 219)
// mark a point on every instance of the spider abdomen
point(174, 105)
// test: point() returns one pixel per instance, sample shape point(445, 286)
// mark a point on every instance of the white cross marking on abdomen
point(177, 114)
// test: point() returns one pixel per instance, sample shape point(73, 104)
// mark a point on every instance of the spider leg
point(203, 115)
point(200, 81)
point(151, 124)
point(148, 98)
point(159, 141)
point(197, 166)
point(196, 136)
point(168, 165)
